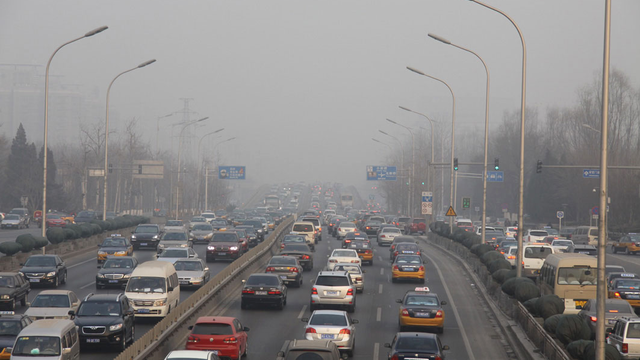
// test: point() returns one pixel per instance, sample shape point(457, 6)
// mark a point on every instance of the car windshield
point(203, 227)
point(537, 252)
point(391, 230)
point(562, 242)
point(553, 232)
point(49, 300)
point(328, 320)
point(36, 261)
point(577, 276)
point(407, 247)
point(359, 245)
point(225, 237)
point(351, 269)
point(296, 247)
point(188, 266)
point(219, 223)
point(293, 239)
point(417, 344)
point(118, 264)
point(506, 244)
point(53, 216)
point(7, 281)
point(282, 261)
point(111, 242)
point(627, 284)
point(86, 214)
point(332, 281)
point(421, 300)
point(198, 219)
point(418, 221)
point(342, 253)
point(173, 223)
point(12, 217)
point(174, 253)
point(146, 284)
point(408, 260)
point(36, 346)
point(146, 229)
point(262, 280)
point(373, 222)
point(99, 308)
point(538, 233)
point(9, 327)
point(174, 236)
point(347, 225)
point(212, 329)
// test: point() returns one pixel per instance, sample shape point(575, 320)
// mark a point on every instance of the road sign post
point(427, 203)
point(591, 174)
point(232, 172)
point(384, 173)
point(560, 215)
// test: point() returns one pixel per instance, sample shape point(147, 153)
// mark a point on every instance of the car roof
point(190, 354)
point(47, 327)
point(215, 319)
point(416, 334)
point(329, 312)
point(54, 292)
point(102, 297)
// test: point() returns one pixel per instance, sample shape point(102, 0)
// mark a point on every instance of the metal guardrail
point(538, 335)
point(179, 317)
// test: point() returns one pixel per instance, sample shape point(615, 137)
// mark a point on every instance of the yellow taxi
point(114, 245)
point(408, 267)
point(421, 308)
point(626, 288)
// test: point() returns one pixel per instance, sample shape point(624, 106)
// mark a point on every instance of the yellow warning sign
point(451, 212)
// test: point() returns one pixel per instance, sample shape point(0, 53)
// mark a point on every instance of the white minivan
point(51, 339)
point(153, 289)
point(534, 257)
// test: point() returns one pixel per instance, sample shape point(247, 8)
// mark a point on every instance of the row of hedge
point(571, 330)
point(55, 235)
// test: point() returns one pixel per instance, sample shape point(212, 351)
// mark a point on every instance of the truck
point(346, 200)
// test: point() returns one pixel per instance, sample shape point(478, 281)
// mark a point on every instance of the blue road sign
point(231, 172)
point(427, 198)
point(595, 210)
point(381, 173)
point(495, 176)
point(560, 214)
point(591, 173)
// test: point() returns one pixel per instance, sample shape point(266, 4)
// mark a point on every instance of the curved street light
point(413, 166)
point(180, 160)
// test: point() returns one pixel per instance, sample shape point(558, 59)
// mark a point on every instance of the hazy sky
point(304, 85)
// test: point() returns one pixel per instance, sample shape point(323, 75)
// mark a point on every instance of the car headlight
point(5, 297)
point(160, 302)
point(115, 327)
point(211, 247)
point(133, 237)
point(101, 252)
point(196, 279)
point(124, 252)
point(233, 248)
point(101, 276)
point(155, 236)
point(259, 230)
point(126, 276)
point(53, 273)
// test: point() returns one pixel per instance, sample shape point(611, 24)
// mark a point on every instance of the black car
point(300, 252)
point(10, 326)
point(371, 227)
point(257, 225)
point(116, 271)
point(85, 216)
point(13, 288)
point(264, 289)
point(416, 345)
point(147, 236)
point(251, 232)
point(105, 319)
point(45, 269)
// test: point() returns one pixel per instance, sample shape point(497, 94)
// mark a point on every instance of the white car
point(387, 234)
point(348, 256)
point(562, 244)
point(355, 272)
point(192, 355)
point(334, 325)
point(53, 304)
point(208, 215)
point(533, 257)
point(512, 231)
point(479, 230)
point(511, 254)
point(174, 254)
point(344, 228)
point(533, 236)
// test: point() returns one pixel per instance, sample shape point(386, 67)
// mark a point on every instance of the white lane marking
point(465, 339)
point(304, 308)
point(86, 286)
point(381, 271)
point(80, 263)
point(379, 314)
point(380, 257)
point(376, 351)
point(380, 289)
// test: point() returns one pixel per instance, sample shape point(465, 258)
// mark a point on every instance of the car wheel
point(280, 305)
point(441, 330)
point(98, 287)
point(614, 249)
point(64, 278)
point(285, 300)
point(312, 307)
point(246, 348)
point(393, 280)
point(56, 282)
point(626, 251)
point(351, 309)
point(12, 305)
point(23, 301)
point(123, 342)
point(133, 334)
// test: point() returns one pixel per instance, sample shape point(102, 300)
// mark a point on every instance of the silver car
point(201, 233)
point(344, 228)
point(192, 272)
point(13, 221)
point(53, 304)
point(387, 234)
point(175, 239)
point(332, 325)
point(174, 254)
point(333, 289)
point(355, 271)
point(288, 268)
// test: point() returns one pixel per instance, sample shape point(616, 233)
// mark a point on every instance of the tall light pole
point(158, 129)
point(46, 125)
point(401, 155)
point(432, 145)
point(523, 94)
point(453, 135)
point(413, 166)
point(200, 163)
point(106, 135)
point(383, 143)
point(180, 160)
point(206, 175)
point(486, 131)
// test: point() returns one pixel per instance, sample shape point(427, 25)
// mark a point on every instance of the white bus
point(346, 200)
point(573, 277)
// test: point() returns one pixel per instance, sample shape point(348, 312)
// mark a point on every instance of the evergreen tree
point(21, 171)
point(56, 198)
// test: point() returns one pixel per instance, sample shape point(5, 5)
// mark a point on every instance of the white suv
point(333, 289)
point(625, 336)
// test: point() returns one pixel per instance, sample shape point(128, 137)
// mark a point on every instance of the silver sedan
point(192, 272)
point(334, 325)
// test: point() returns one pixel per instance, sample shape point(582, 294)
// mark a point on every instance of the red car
point(223, 335)
point(54, 220)
point(416, 225)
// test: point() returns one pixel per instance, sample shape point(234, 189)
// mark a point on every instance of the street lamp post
point(206, 186)
point(46, 125)
point(401, 155)
point(453, 136)
point(486, 132)
point(180, 161)
point(158, 129)
point(106, 135)
point(200, 164)
point(522, 111)
point(413, 166)
point(383, 143)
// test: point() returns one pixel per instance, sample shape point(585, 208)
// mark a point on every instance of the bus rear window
point(577, 276)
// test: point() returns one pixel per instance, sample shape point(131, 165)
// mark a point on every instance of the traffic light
point(539, 167)
point(496, 164)
point(455, 164)
point(466, 203)
point(139, 169)
point(110, 168)
point(423, 183)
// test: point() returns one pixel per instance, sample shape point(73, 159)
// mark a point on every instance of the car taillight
point(350, 292)
point(314, 291)
point(405, 312)
point(230, 340)
point(367, 251)
point(395, 253)
point(593, 318)
point(358, 279)
point(617, 295)
point(339, 229)
point(345, 331)
point(395, 357)
point(333, 261)
point(355, 261)
point(511, 257)
point(305, 257)
point(248, 291)
point(418, 252)
point(310, 331)
point(315, 232)
point(439, 314)
point(281, 246)
point(347, 240)
point(192, 339)
point(382, 236)
point(293, 269)
point(421, 268)
point(270, 269)
point(438, 357)
point(368, 228)
point(625, 348)
point(276, 292)
point(396, 268)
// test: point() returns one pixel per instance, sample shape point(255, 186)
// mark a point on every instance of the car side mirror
point(66, 351)
point(191, 255)
point(387, 345)
point(21, 264)
point(304, 319)
point(190, 327)
point(446, 347)
point(246, 329)
point(206, 269)
point(399, 301)
point(443, 302)
point(170, 289)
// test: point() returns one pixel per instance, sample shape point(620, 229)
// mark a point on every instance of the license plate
point(143, 244)
point(635, 297)
point(283, 277)
point(421, 314)
point(580, 303)
point(408, 269)
point(184, 283)
point(331, 293)
point(93, 340)
point(143, 311)
point(222, 254)
point(327, 336)
point(113, 281)
point(34, 280)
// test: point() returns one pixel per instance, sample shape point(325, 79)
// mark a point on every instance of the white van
point(153, 289)
point(307, 229)
point(53, 339)
point(585, 235)
point(533, 258)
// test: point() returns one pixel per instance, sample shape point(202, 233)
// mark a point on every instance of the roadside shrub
point(10, 248)
point(26, 241)
point(530, 305)
point(483, 248)
point(510, 275)
point(57, 235)
point(571, 328)
point(577, 348)
point(549, 305)
point(85, 230)
point(509, 286)
point(490, 256)
point(499, 275)
point(499, 264)
point(526, 291)
point(551, 323)
point(97, 229)
point(69, 234)
point(76, 229)
point(610, 352)
point(104, 226)
point(40, 242)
